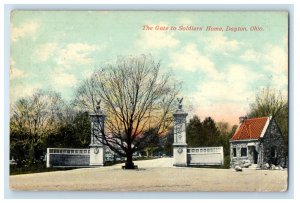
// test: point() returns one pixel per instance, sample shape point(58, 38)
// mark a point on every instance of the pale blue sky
point(221, 71)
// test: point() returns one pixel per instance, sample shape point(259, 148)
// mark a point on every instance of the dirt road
point(153, 175)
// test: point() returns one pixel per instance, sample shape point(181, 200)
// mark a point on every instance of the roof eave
point(237, 129)
point(265, 127)
point(245, 140)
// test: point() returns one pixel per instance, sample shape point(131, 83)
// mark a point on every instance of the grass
point(41, 167)
point(34, 168)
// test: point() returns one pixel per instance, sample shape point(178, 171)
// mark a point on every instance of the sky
point(221, 71)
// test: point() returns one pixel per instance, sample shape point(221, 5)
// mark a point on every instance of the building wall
point(273, 139)
point(238, 159)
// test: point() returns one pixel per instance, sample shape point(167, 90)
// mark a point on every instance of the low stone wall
point(64, 157)
point(205, 156)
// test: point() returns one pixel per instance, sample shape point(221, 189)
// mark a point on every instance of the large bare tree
point(137, 99)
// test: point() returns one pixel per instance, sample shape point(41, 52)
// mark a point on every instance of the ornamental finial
point(98, 105)
point(180, 102)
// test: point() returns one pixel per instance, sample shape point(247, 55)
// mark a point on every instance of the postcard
point(158, 101)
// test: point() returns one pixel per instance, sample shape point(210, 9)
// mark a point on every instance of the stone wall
point(203, 156)
point(273, 139)
point(69, 160)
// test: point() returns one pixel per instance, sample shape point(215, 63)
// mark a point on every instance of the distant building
point(259, 141)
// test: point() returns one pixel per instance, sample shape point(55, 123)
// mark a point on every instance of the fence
point(67, 157)
point(205, 156)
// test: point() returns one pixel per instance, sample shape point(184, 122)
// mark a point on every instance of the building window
point(234, 152)
point(273, 152)
point(244, 151)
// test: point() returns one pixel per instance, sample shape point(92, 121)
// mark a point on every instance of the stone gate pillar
point(179, 145)
point(96, 147)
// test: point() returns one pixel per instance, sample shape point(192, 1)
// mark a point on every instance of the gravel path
point(153, 175)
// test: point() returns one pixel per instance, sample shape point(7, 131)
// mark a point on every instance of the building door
point(255, 155)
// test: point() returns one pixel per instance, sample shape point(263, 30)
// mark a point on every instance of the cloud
point(276, 60)
point(156, 39)
point(226, 98)
point(217, 42)
point(277, 57)
point(191, 59)
point(68, 55)
point(272, 57)
point(77, 53)
point(67, 61)
point(23, 30)
point(87, 73)
point(233, 88)
point(63, 79)
point(251, 55)
point(15, 73)
point(273, 61)
point(45, 51)
point(23, 90)
point(185, 21)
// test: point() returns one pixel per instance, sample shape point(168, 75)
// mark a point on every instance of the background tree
point(167, 142)
point(226, 132)
point(210, 134)
point(44, 120)
point(202, 134)
point(223, 127)
point(152, 142)
point(72, 133)
point(194, 131)
point(32, 119)
point(135, 97)
point(210, 131)
point(270, 102)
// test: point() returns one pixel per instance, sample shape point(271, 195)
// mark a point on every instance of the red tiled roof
point(250, 129)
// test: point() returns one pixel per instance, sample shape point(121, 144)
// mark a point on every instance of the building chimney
point(242, 118)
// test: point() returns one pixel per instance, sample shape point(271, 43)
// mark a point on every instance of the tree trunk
point(129, 164)
point(31, 154)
